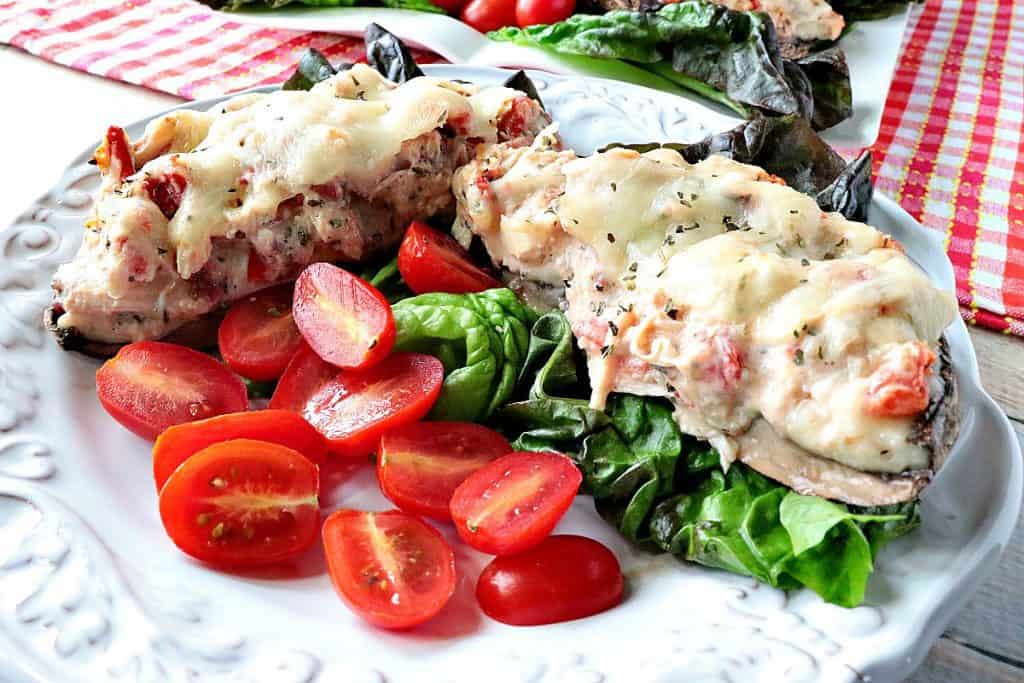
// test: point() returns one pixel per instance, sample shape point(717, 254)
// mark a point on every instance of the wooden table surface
point(56, 112)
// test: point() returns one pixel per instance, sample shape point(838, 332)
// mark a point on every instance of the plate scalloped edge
point(83, 598)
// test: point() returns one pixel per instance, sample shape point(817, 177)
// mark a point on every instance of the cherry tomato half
point(258, 335)
point(560, 579)
point(489, 15)
point(179, 443)
point(392, 569)
point(514, 502)
point(150, 386)
point(242, 503)
point(343, 317)
point(420, 465)
point(530, 12)
point(431, 261)
point(352, 408)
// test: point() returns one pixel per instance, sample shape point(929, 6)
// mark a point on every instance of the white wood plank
point(1001, 361)
point(951, 662)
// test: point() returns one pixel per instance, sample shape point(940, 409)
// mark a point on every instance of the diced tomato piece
point(392, 569)
point(352, 408)
point(728, 363)
point(114, 156)
point(150, 386)
point(179, 443)
point(512, 123)
point(242, 503)
point(420, 465)
point(514, 502)
point(166, 192)
point(899, 387)
point(431, 261)
point(258, 336)
point(560, 579)
point(343, 317)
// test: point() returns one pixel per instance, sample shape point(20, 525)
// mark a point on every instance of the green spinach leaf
point(553, 414)
point(731, 57)
point(480, 338)
point(808, 519)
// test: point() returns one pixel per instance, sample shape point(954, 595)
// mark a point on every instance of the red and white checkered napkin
point(951, 148)
point(174, 46)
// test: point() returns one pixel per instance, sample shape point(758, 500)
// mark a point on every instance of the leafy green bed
point(521, 373)
point(660, 489)
point(729, 57)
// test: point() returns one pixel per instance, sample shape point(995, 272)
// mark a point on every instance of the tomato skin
point(514, 502)
point(177, 444)
point(352, 408)
point(258, 335)
point(450, 6)
point(530, 12)
point(355, 541)
point(343, 317)
point(561, 579)
point(431, 261)
point(150, 386)
point(489, 15)
point(242, 503)
point(114, 155)
point(420, 465)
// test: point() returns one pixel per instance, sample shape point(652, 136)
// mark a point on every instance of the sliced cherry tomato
point(258, 336)
point(150, 386)
point(392, 569)
point(179, 443)
point(530, 12)
point(242, 503)
point(352, 408)
point(489, 15)
point(343, 317)
point(431, 261)
point(560, 579)
point(514, 502)
point(420, 465)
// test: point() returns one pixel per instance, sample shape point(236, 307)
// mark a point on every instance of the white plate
point(872, 52)
point(91, 589)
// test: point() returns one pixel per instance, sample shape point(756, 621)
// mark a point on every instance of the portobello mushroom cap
point(778, 458)
point(200, 334)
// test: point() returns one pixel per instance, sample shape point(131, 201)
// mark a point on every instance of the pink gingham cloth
point(175, 46)
point(951, 148)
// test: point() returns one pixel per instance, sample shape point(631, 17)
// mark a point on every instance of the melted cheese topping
point(718, 287)
point(277, 179)
point(351, 126)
